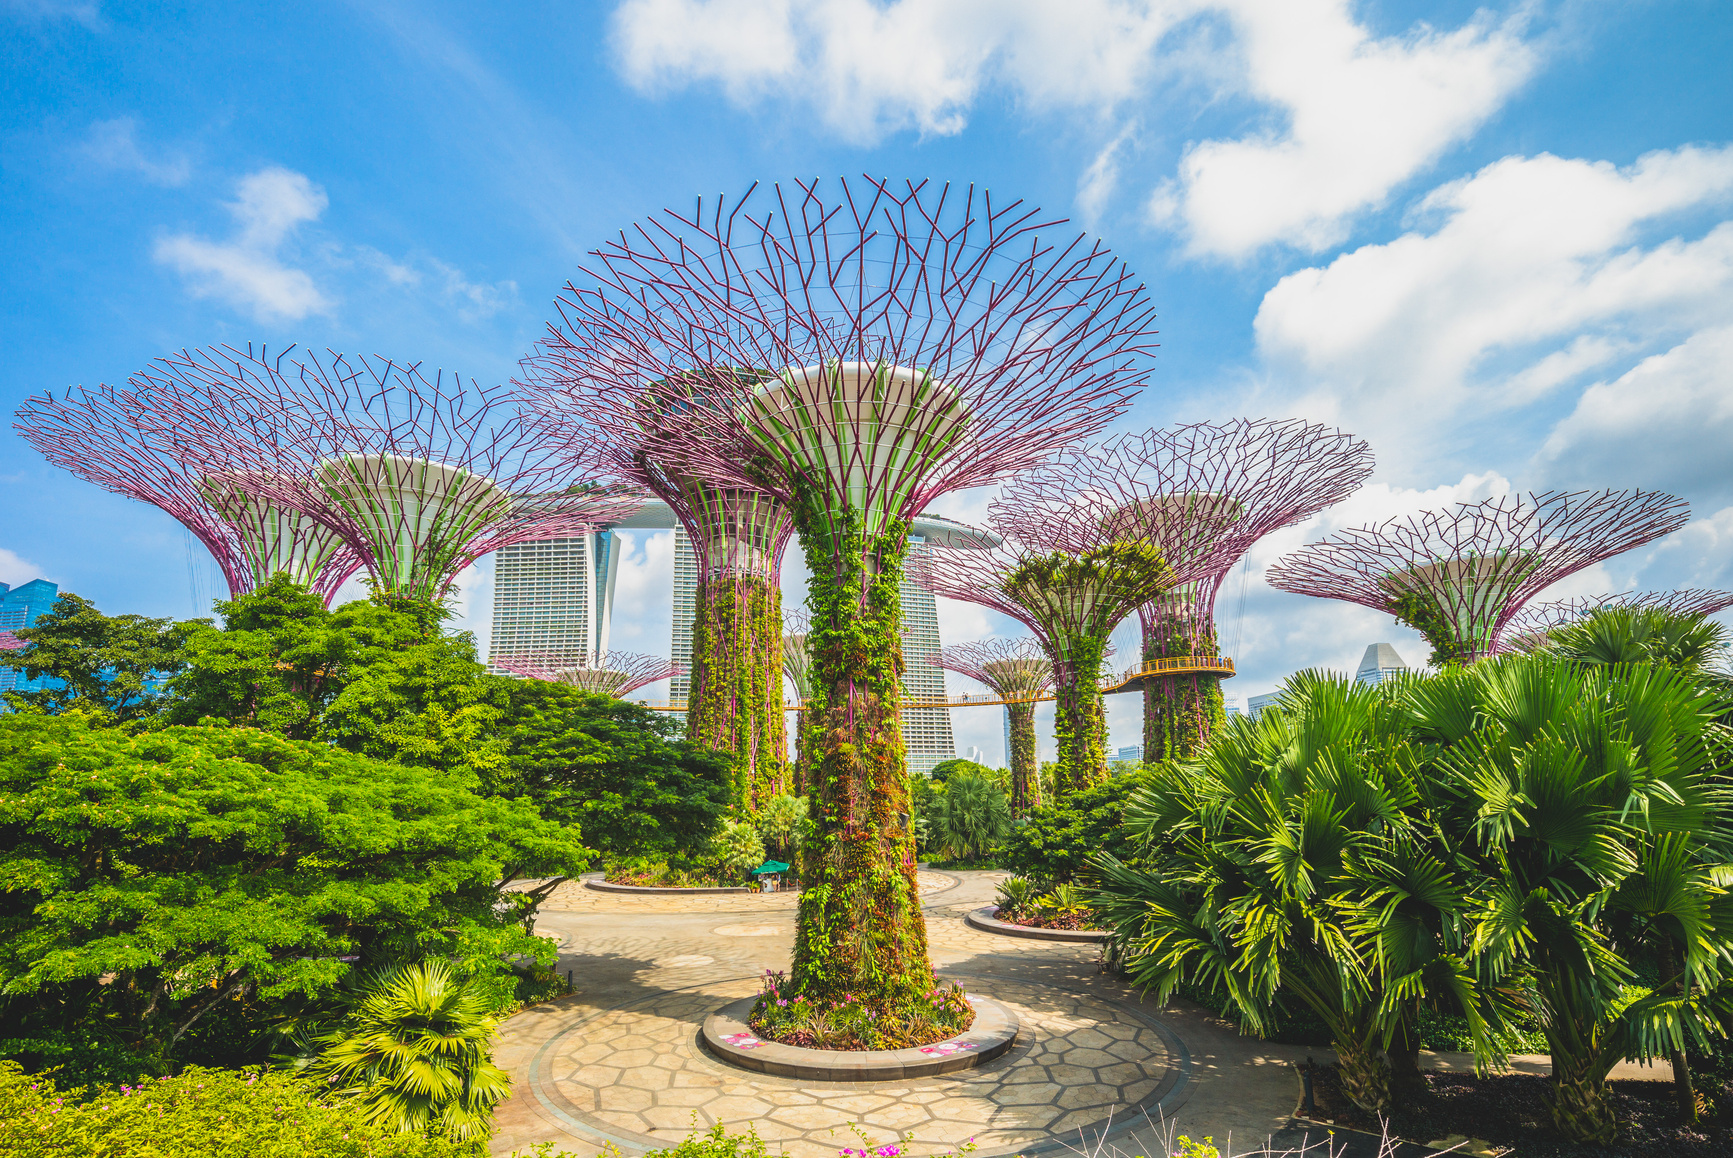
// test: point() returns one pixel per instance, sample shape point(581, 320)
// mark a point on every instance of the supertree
point(797, 666)
point(615, 673)
point(875, 348)
point(1065, 576)
point(738, 537)
point(1019, 672)
point(114, 437)
point(1458, 576)
point(1528, 629)
point(1202, 494)
point(419, 476)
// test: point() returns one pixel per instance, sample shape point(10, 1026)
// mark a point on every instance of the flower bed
point(850, 1024)
point(1025, 902)
point(1037, 919)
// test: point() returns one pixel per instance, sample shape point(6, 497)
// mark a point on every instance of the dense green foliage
point(611, 768)
point(1055, 842)
point(158, 879)
point(736, 698)
point(109, 666)
point(966, 817)
point(1526, 836)
point(201, 1113)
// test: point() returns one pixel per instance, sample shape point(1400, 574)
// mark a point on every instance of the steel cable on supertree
point(614, 673)
point(1066, 576)
point(419, 475)
point(1529, 628)
point(738, 536)
point(1019, 672)
point(1458, 576)
point(1203, 494)
point(112, 436)
point(875, 346)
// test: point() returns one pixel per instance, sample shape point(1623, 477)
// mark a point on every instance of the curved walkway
point(619, 1061)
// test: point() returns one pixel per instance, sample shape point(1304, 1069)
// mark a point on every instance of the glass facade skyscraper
point(926, 730)
point(21, 606)
point(1379, 664)
point(554, 597)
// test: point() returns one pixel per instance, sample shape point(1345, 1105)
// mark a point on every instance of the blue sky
point(1496, 240)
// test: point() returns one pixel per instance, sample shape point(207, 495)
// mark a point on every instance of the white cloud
point(872, 68)
point(15, 569)
point(1530, 274)
point(1668, 420)
point(643, 619)
point(472, 301)
point(247, 270)
point(114, 145)
point(1101, 180)
point(85, 12)
point(1361, 116)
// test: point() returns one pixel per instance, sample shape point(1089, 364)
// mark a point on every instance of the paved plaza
point(620, 1061)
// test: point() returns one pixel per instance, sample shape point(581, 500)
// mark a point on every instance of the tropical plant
point(737, 848)
point(1292, 863)
point(1694, 644)
point(968, 817)
point(1055, 841)
point(110, 667)
point(782, 821)
point(1065, 901)
point(414, 1051)
point(1016, 897)
point(1589, 806)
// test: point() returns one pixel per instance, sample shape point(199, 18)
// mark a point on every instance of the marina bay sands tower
point(556, 596)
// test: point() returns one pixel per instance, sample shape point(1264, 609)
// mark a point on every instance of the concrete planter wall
point(986, 921)
point(727, 1035)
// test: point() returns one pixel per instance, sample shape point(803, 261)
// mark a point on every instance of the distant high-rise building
point(926, 731)
point(1130, 752)
point(554, 597)
point(22, 606)
point(685, 610)
point(1256, 704)
point(1231, 705)
point(1379, 664)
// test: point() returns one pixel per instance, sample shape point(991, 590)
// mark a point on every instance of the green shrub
point(1053, 843)
point(203, 1113)
point(738, 848)
point(967, 818)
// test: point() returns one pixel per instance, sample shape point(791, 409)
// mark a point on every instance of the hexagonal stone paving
point(637, 1076)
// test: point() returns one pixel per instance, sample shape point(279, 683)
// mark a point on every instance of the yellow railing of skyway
point(1128, 680)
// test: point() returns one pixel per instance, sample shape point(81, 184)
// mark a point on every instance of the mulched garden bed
point(1071, 922)
point(1510, 1111)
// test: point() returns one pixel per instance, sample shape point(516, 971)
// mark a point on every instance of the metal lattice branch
point(120, 439)
point(796, 662)
point(877, 347)
point(1530, 626)
point(616, 673)
point(1460, 575)
point(419, 475)
point(1203, 494)
point(1015, 669)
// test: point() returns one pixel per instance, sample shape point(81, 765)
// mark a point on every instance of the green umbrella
point(770, 866)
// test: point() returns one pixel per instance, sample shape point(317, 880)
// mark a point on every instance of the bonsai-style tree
point(1201, 494)
point(1072, 600)
point(899, 343)
point(1020, 673)
point(615, 673)
point(418, 476)
point(1458, 576)
point(123, 440)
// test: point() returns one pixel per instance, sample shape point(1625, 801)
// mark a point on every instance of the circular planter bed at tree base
point(1509, 1111)
point(727, 1035)
point(986, 921)
point(603, 886)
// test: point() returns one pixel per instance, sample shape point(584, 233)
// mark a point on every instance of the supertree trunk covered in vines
point(1180, 712)
point(1025, 768)
point(861, 929)
point(736, 698)
point(1080, 718)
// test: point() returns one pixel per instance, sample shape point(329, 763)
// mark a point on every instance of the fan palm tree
point(1293, 861)
point(969, 816)
point(1585, 798)
point(1690, 643)
point(414, 1052)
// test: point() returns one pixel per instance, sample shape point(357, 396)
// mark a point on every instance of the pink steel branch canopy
point(1203, 494)
point(874, 346)
point(420, 474)
point(1013, 668)
point(617, 673)
point(1473, 567)
point(122, 440)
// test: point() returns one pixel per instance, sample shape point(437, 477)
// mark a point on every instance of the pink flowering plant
point(852, 1022)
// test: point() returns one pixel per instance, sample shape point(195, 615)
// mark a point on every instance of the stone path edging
point(983, 920)
point(606, 886)
point(994, 1031)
